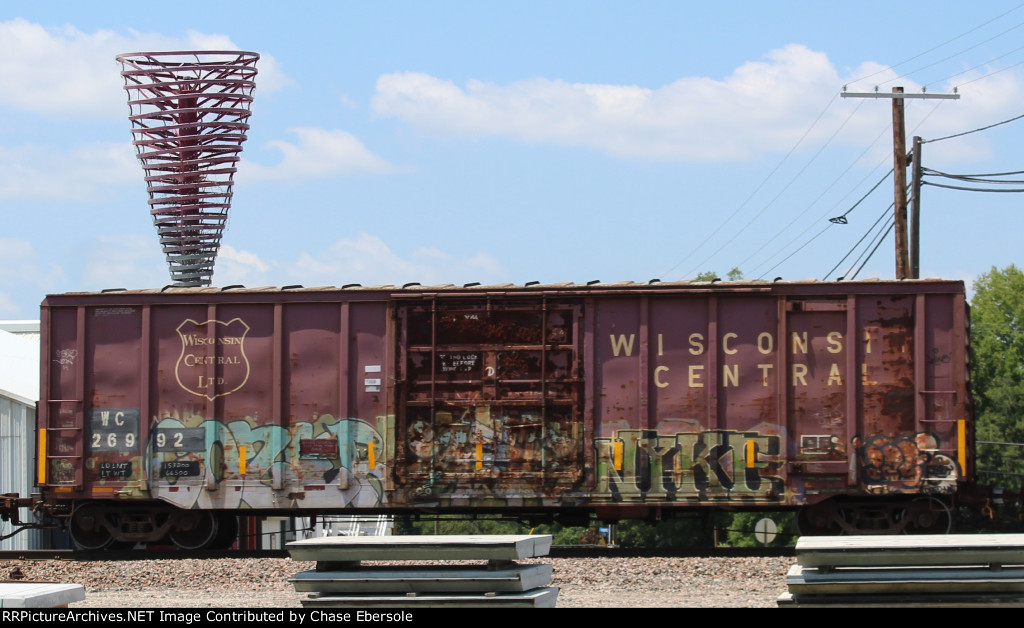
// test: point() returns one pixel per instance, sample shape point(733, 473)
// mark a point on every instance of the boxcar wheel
point(196, 529)
point(227, 532)
point(817, 520)
point(87, 529)
point(928, 515)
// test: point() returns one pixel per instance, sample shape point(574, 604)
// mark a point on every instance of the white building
point(19, 391)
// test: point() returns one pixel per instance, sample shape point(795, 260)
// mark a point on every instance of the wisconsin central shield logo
point(212, 362)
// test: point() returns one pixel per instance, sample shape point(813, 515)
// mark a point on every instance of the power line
point(873, 188)
point(854, 247)
point(991, 74)
point(823, 192)
point(971, 69)
point(879, 243)
point(956, 53)
point(789, 154)
point(794, 239)
point(752, 194)
point(786, 187)
point(934, 48)
point(966, 189)
point(798, 249)
point(970, 177)
point(977, 178)
point(842, 218)
point(984, 128)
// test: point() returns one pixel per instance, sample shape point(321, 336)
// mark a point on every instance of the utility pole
point(904, 268)
point(915, 211)
point(899, 179)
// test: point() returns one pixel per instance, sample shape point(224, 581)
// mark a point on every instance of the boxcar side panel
point(688, 400)
point(752, 396)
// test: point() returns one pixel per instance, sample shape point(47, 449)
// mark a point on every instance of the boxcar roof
point(803, 287)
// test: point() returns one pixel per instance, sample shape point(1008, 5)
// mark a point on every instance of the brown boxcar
point(171, 412)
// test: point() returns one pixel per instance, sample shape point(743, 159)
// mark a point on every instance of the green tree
point(709, 275)
point(741, 532)
point(454, 524)
point(997, 369)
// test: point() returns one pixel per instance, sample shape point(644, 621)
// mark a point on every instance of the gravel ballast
point(263, 583)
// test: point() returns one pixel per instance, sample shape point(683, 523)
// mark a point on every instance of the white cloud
point(45, 172)
point(365, 259)
point(318, 153)
point(763, 105)
point(124, 261)
point(67, 71)
point(7, 307)
point(243, 257)
point(25, 278)
point(347, 102)
point(240, 267)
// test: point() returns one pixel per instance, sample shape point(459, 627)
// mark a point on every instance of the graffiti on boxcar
point(478, 443)
point(242, 464)
point(637, 464)
point(906, 463)
point(65, 358)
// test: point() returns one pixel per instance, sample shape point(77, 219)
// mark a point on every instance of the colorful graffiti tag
point(199, 463)
point(643, 465)
point(907, 463)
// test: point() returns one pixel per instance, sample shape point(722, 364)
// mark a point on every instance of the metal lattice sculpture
point(189, 114)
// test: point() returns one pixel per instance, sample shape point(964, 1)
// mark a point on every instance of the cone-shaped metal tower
point(189, 114)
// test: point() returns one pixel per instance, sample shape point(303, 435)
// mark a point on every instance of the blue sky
point(506, 142)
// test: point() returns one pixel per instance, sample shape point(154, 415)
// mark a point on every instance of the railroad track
point(558, 551)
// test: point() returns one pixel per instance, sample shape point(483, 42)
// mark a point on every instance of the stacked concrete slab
point(486, 574)
point(39, 594)
point(915, 571)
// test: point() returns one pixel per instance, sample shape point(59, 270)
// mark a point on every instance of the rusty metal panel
point(910, 401)
point(490, 404)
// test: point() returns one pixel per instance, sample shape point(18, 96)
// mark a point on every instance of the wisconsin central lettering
point(669, 365)
point(195, 340)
